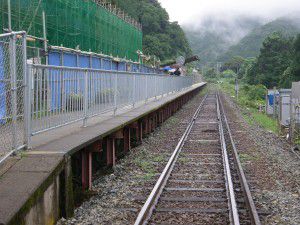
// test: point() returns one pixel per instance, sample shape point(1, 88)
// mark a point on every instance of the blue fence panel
point(114, 65)
point(134, 68)
point(144, 69)
point(54, 58)
point(69, 60)
point(96, 63)
point(122, 66)
point(84, 61)
point(106, 64)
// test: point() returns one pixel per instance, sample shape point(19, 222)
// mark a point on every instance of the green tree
point(274, 58)
point(295, 65)
point(245, 67)
point(211, 73)
point(229, 74)
point(162, 38)
point(234, 64)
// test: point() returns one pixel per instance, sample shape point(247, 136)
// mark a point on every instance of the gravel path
point(117, 198)
point(269, 163)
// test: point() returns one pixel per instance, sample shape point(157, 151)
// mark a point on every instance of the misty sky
point(190, 11)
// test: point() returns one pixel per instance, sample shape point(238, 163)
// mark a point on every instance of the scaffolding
point(96, 26)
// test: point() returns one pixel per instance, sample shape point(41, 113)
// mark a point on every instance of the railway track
point(203, 181)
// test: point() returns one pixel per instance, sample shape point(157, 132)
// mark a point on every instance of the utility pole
point(9, 15)
point(219, 65)
point(236, 88)
point(45, 37)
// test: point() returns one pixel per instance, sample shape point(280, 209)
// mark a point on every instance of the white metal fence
point(12, 92)
point(37, 98)
point(295, 118)
point(63, 95)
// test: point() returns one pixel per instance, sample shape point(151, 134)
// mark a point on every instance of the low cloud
point(195, 12)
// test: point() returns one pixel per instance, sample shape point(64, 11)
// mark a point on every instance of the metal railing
point(38, 98)
point(13, 90)
point(63, 95)
point(294, 119)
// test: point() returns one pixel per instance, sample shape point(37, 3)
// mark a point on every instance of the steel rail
point(249, 200)
point(232, 205)
point(147, 209)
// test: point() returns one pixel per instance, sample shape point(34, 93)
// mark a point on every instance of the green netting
point(73, 23)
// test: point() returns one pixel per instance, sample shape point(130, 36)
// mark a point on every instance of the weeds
point(250, 98)
point(183, 160)
point(246, 157)
point(158, 158)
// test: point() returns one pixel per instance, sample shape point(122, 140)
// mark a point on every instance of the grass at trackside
point(250, 108)
point(263, 120)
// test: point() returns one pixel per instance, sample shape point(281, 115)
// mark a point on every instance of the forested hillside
point(161, 38)
point(250, 45)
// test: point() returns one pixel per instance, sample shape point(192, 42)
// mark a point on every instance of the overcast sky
point(187, 11)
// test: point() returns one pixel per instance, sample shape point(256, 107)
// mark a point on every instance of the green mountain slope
point(250, 45)
point(161, 38)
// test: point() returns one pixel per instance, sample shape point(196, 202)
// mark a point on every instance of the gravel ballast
point(116, 195)
point(272, 170)
point(270, 165)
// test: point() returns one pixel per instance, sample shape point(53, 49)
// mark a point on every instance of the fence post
point(155, 83)
point(115, 92)
point(27, 73)
point(168, 87)
point(61, 81)
point(28, 105)
point(146, 88)
point(134, 91)
point(13, 83)
point(85, 97)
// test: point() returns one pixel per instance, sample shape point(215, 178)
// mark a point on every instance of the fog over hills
point(250, 45)
point(219, 38)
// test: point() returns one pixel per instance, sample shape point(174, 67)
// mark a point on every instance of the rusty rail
point(248, 197)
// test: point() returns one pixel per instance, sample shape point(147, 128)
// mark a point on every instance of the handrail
point(102, 70)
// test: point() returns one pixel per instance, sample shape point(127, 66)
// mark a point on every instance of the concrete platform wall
point(46, 210)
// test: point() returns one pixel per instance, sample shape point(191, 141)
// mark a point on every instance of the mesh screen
point(73, 23)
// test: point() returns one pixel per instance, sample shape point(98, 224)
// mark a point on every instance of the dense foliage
point(277, 65)
point(162, 38)
point(274, 58)
point(292, 73)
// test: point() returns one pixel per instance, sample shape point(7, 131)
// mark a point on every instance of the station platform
point(26, 177)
